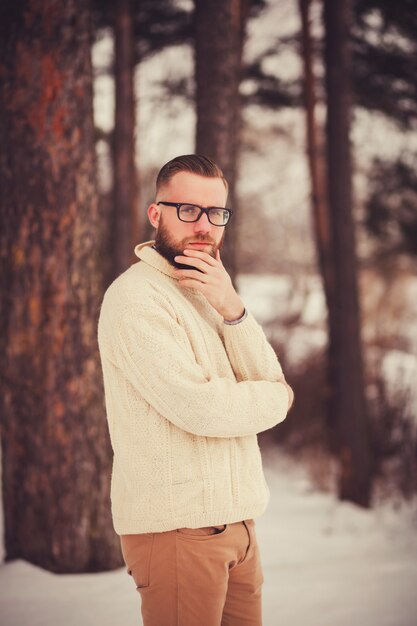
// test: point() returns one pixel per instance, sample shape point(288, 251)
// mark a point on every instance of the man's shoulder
point(134, 288)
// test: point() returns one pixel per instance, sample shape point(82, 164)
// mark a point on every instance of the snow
point(267, 295)
point(332, 563)
point(399, 371)
point(325, 563)
point(272, 298)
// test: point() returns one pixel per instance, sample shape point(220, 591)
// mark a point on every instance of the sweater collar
point(150, 255)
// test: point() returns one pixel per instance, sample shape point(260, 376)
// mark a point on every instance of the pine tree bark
point(125, 217)
point(56, 459)
point(345, 351)
point(219, 34)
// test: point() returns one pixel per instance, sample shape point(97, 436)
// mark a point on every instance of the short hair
point(194, 163)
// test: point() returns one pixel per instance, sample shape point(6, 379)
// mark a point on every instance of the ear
point(154, 214)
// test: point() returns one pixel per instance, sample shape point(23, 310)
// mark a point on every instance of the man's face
point(173, 235)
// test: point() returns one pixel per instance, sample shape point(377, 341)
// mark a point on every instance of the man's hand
point(213, 281)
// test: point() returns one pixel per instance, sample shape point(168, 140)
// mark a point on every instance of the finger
point(205, 256)
point(194, 284)
point(194, 274)
point(192, 261)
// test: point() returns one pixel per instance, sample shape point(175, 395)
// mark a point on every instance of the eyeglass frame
point(178, 205)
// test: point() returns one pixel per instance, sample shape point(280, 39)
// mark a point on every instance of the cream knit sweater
point(185, 396)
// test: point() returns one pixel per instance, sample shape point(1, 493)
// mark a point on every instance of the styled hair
point(194, 163)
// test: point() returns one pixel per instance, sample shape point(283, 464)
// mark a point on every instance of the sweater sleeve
point(250, 354)
point(156, 357)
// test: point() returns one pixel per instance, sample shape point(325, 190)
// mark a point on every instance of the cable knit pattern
point(185, 396)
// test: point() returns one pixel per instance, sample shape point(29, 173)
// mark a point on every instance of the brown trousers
point(210, 576)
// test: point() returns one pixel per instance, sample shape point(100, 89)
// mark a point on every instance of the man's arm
point(250, 354)
point(156, 357)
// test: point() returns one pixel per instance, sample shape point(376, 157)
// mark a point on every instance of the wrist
point(233, 314)
point(237, 320)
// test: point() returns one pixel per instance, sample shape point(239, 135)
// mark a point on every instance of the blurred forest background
point(310, 108)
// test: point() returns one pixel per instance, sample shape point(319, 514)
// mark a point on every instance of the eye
point(189, 209)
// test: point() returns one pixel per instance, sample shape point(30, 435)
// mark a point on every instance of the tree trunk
point(219, 34)
point(56, 459)
point(348, 401)
point(316, 155)
point(125, 232)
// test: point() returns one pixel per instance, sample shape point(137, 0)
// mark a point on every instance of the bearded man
point(189, 379)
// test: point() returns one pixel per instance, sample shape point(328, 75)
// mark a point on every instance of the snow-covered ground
point(325, 563)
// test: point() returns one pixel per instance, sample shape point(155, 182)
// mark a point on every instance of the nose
point(202, 225)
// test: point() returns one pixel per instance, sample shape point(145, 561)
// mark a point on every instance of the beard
point(170, 248)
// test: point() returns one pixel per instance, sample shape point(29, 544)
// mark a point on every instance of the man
point(190, 379)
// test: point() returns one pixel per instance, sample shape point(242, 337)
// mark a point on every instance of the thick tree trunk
point(349, 406)
point(219, 34)
point(125, 217)
point(56, 459)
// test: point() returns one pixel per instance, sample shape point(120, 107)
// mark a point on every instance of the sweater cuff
point(245, 313)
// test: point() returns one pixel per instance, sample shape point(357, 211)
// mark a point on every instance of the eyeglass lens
point(217, 216)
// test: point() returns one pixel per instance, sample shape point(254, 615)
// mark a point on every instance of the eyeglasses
point(218, 216)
